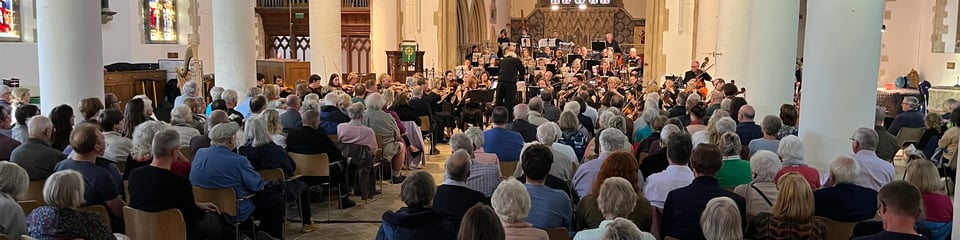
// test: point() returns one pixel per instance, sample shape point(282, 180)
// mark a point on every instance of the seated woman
point(791, 153)
point(721, 219)
point(143, 145)
point(14, 183)
point(476, 137)
point(481, 222)
point(589, 213)
point(384, 125)
point(616, 195)
point(274, 127)
point(63, 192)
point(761, 193)
point(791, 216)
point(512, 204)
point(181, 119)
point(417, 220)
point(937, 207)
point(934, 127)
point(735, 171)
point(571, 134)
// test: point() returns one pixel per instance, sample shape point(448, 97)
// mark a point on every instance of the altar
point(940, 94)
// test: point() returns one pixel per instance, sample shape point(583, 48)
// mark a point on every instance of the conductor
point(511, 68)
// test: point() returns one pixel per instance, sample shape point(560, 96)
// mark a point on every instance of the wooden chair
point(34, 192)
point(375, 165)
point(276, 174)
point(26, 237)
point(655, 227)
point(225, 199)
point(507, 169)
point(187, 154)
point(28, 206)
point(142, 225)
point(558, 234)
point(317, 165)
point(122, 165)
point(425, 129)
point(99, 210)
point(3, 237)
point(838, 230)
point(334, 138)
point(909, 135)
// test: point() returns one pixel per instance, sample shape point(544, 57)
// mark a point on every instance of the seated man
point(35, 155)
point(505, 144)
point(611, 140)
point(683, 207)
point(657, 162)
point(549, 208)
point(483, 178)
point(417, 220)
point(910, 118)
point(900, 204)
point(23, 114)
point(888, 146)
point(453, 197)
point(202, 141)
point(746, 128)
point(841, 199)
point(290, 118)
point(875, 172)
point(330, 115)
point(154, 188)
point(100, 187)
point(219, 167)
point(521, 125)
point(535, 116)
point(7, 143)
point(677, 175)
point(312, 140)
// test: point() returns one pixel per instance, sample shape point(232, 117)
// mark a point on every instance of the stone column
point(842, 58)
point(384, 22)
point(733, 32)
point(70, 52)
point(234, 52)
point(326, 53)
point(772, 55)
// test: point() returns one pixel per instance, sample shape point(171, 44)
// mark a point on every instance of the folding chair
point(507, 169)
point(187, 154)
point(425, 127)
point(838, 230)
point(334, 138)
point(34, 192)
point(377, 162)
point(28, 206)
point(317, 165)
point(276, 175)
point(142, 225)
point(99, 210)
point(558, 234)
point(908, 135)
point(225, 199)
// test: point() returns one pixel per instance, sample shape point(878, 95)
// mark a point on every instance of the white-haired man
point(535, 116)
point(330, 114)
point(35, 155)
point(842, 199)
point(216, 93)
point(875, 172)
point(453, 196)
point(611, 140)
point(564, 158)
point(521, 125)
point(910, 118)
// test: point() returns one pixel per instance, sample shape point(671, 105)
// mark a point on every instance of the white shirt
point(699, 137)
point(874, 172)
point(660, 184)
point(117, 147)
point(279, 139)
point(564, 160)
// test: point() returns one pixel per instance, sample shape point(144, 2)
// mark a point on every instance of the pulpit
point(399, 69)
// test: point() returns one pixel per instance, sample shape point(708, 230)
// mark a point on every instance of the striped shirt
point(483, 177)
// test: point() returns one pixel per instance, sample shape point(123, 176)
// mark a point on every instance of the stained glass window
point(9, 20)
point(160, 20)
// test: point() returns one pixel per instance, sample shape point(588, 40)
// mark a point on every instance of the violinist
point(605, 69)
point(613, 89)
point(485, 79)
point(576, 68)
point(558, 59)
point(526, 58)
point(669, 94)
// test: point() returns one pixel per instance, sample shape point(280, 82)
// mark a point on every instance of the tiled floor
point(362, 221)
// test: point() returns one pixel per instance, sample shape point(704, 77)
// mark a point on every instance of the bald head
point(458, 166)
point(216, 117)
point(746, 113)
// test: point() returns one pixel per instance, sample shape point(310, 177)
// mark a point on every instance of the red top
point(809, 173)
point(937, 207)
point(181, 168)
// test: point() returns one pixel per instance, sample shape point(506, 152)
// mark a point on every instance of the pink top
point(486, 158)
point(937, 207)
point(523, 231)
point(809, 173)
point(396, 118)
point(357, 134)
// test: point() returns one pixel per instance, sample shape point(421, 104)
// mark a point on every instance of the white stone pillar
point(234, 52)
point(842, 59)
point(70, 52)
point(326, 53)
point(733, 31)
point(772, 55)
point(383, 33)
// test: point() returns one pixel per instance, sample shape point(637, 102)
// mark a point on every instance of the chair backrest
point(334, 138)
point(507, 169)
point(26, 237)
point(28, 206)
point(187, 153)
point(3, 237)
point(909, 135)
point(838, 230)
point(272, 175)
point(34, 192)
point(657, 215)
point(312, 165)
point(424, 123)
point(99, 210)
point(142, 225)
point(224, 198)
point(558, 234)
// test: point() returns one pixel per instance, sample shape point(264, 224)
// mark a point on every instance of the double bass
point(698, 85)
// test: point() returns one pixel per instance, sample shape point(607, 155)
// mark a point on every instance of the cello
point(698, 85)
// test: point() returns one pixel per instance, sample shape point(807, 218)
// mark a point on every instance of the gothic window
point(9, 20)
point(160, 21)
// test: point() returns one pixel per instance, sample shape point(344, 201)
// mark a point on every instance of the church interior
point(841, 79)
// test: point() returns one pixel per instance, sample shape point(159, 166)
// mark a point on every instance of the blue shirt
point(504, 143)
point(100, 186)
point(243, 107)
point(549, 208)
point(216, 167)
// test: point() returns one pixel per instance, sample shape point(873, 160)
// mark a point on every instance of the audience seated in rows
point(746, 128)
point(911, 117)
point(677, 175)
point(512, 203)
point(564, 158)
point(274, 127)
point(117, 146)
point(721, 219)
point(696, 120)
point(611, 140)
point(652, 145)
point(509, 143)
point(454, 197)
point(761, 193)
point(842, 198)
point(23, 114)
point(550, 208)
point(900, 206)
point(937, 206)
point(312, 140)
point(887, 145)
point(520, 124)
point(789, 116)
point(63, 193)
point(719, 124)
point(617, 165)
point(614, 201)
point(331, 115)
point(181, 119)
point(875, 172)
point(354, 132)
point(417, 220)
point(476, 137)
point(734, 171)
point(203, 141)
point(950, 140)
point(657, 162)
point(7, 143)
point(290, 118)
point(771, 125)
point(483, 177)
point(573, 134)
point(683, 206)
point(535, 115)
point(792, 214)
point(791, 153)
point(386, 127)
point(102, 183)
point(141, 154)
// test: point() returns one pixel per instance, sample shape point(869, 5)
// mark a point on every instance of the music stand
point(480, 96)
point(475, 59)
point(492, 71)
point(526, 42)
point(598, 46)
point(572, 57)
point(552, 68)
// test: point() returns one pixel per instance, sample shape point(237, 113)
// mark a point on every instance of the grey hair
point(912, 101)
point(215, 93)
point(764, 165)
point(418, 190)
point(652, 96)
point(572, 106)
point(64, 189)
point(310, 104)
point(548, 133)
point(622, 229)
point(730, 144)
point(476, 137)
point(417, 91)
point(255, 132)
point(521, 111)
point(602, 119)
point(229, 96)
point(725, 104)
point(15, 180)
point(189, 89)
point(790, 149)
point(375, 101)
point(331, 99)
point(617, 122)
point(164, 141)
point(880, 115)
point(181, 114)
point(458, 165)
point(650, 104)
point(719, 114)
point(616, 197)
point(460, 141)
point(844, 169)
point(313, 96)
point(726, 124)
point(253, 92)
point(612, 140)
point(692, 100)
point(355, 111)
point(535, 104)
point(143, 138)
point(867, 138)
point(771, 125)
point(511, 201)
point(721, 219)
point(649, 114)
point(4, 89)
point(38, 124)
point(668, 130)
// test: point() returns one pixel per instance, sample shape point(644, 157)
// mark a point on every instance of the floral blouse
point(48, 222)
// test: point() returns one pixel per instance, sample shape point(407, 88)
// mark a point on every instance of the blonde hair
point(616, 197)
point(511, 201)
point(15, 179)
point(923, 174)
point(796, 198)
point(273, 121)
point(64, 189)
point(271, 91)
point(720, 219)
point(932, 120)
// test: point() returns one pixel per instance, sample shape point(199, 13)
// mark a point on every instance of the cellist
point(695, 78)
